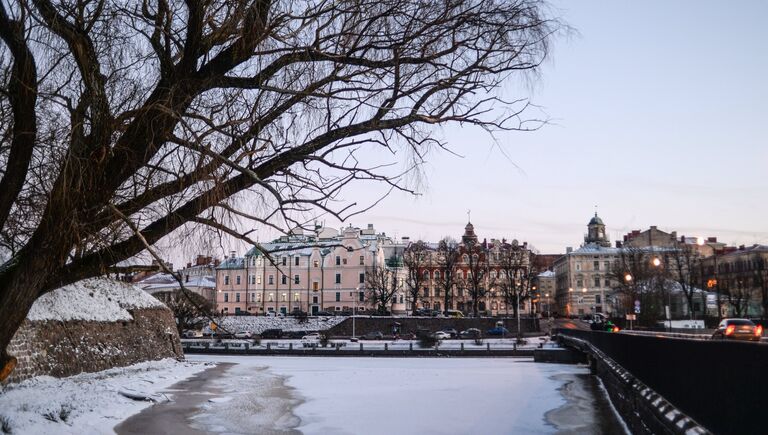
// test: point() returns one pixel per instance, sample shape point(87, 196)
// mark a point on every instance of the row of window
point(256, 279)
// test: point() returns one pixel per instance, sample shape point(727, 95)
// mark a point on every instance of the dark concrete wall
point(61, 349)
point(364, 325)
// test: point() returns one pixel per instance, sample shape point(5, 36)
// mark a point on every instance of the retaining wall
point(364, 325)
point(65, 348)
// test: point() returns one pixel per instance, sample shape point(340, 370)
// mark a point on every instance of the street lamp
point(570, 301)
point(354, 310)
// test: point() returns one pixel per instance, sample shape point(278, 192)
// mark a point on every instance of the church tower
point(596, 232)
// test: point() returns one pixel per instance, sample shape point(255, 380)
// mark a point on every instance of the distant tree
point(190, 310)
point(515, 275)
point(381, 286)
point(760, 281)
point(415, 260)
point(639, 280)
point(476, 266)
point(448, 258)
point(682, 260)
point(123, 123)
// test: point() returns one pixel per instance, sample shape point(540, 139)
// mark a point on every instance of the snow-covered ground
point(389, 395)
point(95, 299)
point(88, 403)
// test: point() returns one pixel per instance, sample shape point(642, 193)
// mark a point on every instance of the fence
point(720, 384)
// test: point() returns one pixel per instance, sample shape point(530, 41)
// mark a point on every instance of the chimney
point(370, 226)
point(189, 265)
point(231, 254)
point(712, 239)
point(653, 227)
point(200, 260)
point(568, 250)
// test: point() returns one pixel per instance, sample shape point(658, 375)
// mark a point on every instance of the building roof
point(595, 220)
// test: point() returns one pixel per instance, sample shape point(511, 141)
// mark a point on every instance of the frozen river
point(396, 395)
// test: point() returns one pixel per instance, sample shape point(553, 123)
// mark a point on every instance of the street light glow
point(656, 262)
point(628, 277)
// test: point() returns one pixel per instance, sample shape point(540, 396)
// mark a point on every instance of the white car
point(244, 334)
point(274, 314)
point(441, 335)
point(192, 334)
point(311, 340)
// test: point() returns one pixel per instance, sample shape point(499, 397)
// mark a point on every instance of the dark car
point(325, 313)
point(738, 329)
point(452, 332)
point(272, 333)
point(374, 335)
point(499, 330)
point(471, 333)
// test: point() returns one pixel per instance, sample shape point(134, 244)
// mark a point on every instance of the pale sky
point(658, 118)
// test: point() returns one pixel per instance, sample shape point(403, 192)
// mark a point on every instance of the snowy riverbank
point(88, 403)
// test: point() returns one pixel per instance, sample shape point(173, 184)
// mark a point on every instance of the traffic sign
point(631, 316)
point(637, 306)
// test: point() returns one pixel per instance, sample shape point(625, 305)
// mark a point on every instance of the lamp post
point(354, 310)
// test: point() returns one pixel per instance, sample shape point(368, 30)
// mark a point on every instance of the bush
point(5, 425)
point(324, 340)
point(427, 340)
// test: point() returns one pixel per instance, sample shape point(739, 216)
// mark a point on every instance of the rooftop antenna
point(469, 215)
point(595, 209)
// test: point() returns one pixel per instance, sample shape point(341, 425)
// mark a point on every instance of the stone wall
point(65, 348)
point(364, 325)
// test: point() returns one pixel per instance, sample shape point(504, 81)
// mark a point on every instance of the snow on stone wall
point(95, 299)
point(90, 326)
point(258, 324)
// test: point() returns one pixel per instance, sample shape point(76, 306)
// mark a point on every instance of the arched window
point(465, 258)
point(459, 274)
point(437, 274)
point(426, 274)
point(502, 274)
point(493, 274)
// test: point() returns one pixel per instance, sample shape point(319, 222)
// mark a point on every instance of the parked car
point(190, 333)
point(471, 333)
point(441, 335)
point(499, 330)
point(374, 335)
point(738, 329)
point(452, 332)
point(244, 334)
point(454, 313)
point(311, 340)
point(274, 314)
point(325, 313)
point(272, 333)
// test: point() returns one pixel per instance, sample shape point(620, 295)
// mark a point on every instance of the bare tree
point(415, 259)
point(516, 275)
point(475, 263)
point(381, 285)
point(760, 281)
point(190, 310)
point(682, 261)
point(639, 280)
point(188, 116)
point(448, 258)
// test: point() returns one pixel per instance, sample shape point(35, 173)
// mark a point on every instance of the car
point(373, 335)
point(274, 314)
point(452, 332)
point(272, 333)
point(325, 313)
point(192, 334)
point(441, 335)
point(454, 313)
point(499, 330)
point(244, 334)
point(311, 340)
point(738, 329)
point(471, 333)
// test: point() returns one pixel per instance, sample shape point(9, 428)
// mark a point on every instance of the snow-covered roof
point(547, 274)
point(94, 299)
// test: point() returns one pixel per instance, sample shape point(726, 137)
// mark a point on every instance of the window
point(284, 297)
point(426, 274)
point(295, 279)
point(338, 278)
point(253, 297)
point(597, 282)
point(226, 279)
point(579, 283)
point(237, 279)
point(271, 297)
point(362, 278)
point(316, 263)
point(362, 260)
point(271, 279)
point(295, 297)
point(607, 265)
point(284, 279)
point(285, 260)
point(237, 297)
point(338, 260)
point(315, 286)
point(338, 296)
point(361, 296)
point(597, 299)
point(226, 297)
point(314, 299)
point(344, 261)
point(465, 258)
point(296, 261)
point(258, 297)
point(596, 265)
point(253, 279)
point(426, 292)
point(607, 282)
point(258, 279)
point(437, 274)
